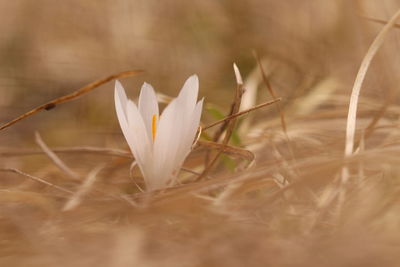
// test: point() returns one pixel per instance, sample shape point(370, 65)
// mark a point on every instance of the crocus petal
point(148, 106)
point(121, 102)
point(186, 104)
point(189, 134)
point(160, 159)
point(134, 130)
point(120, 98)
point(189, 92)
point(177, 129)
point(140, 144)
point(166, 143)
point(193, 127)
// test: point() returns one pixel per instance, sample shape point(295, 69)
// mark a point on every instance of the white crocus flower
point(159, 144)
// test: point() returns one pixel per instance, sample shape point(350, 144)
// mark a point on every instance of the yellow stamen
point(154, 126)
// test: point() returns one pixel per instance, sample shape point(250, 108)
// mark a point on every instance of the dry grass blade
point(78, 93)
point(230, 150)
point(228, 125)
point(241, 113)
point(84, 149)
point(234, 108)
point(381, 21)
point(37, 179)
point(194, 172)
point(190, 171)
point(272, 92)
point(352, 113)
point(278, 104)
point(76, 199)
point(131, 168)
point(371, 126)
point(57, 161)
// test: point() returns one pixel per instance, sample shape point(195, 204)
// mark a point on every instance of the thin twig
point(272, 93)
point(190, 171)
point(84, 149)
point(37, 179)
point(56, 160)
point(381, 21)
point(241, 113)
point(227, 149)
point(78, 93)
point(228, 125)
point(278, 105)
point(234, 107)
point(194, 172)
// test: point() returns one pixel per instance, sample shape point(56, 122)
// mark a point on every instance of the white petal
point(140, 143)
point(177, 129)
point(120, 106)
point(189, 134)
point(186, 103)
point(148, 106)
point(120, 96)
point(195, 121)
point(189, 92)
point(177, 126)
point(166, 144)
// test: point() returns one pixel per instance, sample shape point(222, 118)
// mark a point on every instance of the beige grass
point(269, 200)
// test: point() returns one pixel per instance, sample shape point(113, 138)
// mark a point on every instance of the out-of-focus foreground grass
point(281, 211)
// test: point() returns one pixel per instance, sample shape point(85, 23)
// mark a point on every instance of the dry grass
point(271, 190)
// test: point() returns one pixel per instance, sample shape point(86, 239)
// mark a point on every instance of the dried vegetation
point(291, 175)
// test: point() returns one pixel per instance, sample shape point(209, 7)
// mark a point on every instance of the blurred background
point(49, 49)
point(311, 51)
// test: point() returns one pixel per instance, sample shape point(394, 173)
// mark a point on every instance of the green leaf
point(229, 163)
point(215, 113)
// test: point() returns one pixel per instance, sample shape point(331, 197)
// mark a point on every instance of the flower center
point(154, 126)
